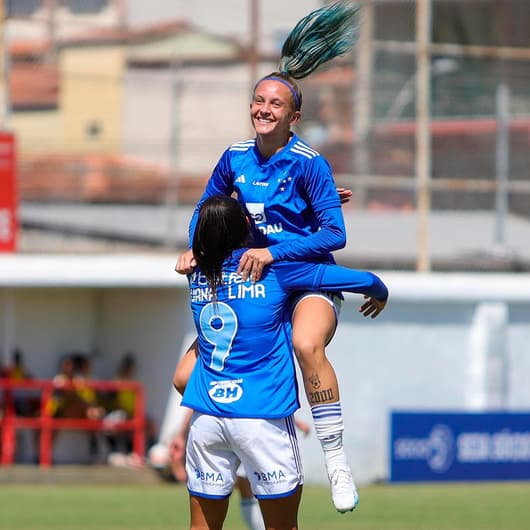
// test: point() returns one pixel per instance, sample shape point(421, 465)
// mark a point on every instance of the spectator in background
point(126, 397)
point(121, 406)
point(27, 402)
point(82, 374)
point(17, 370)
point(72, 398)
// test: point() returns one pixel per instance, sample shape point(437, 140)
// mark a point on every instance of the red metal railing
point(46, 424)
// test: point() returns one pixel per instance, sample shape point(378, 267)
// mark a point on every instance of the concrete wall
point(38, 131)
point(91, 97)
point(186, 119)
point(445, 342)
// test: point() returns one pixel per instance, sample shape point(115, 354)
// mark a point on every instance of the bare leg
point(282, 513)
point(250, 509)
point(314, 324)
point(185, 367)
point(207, 514)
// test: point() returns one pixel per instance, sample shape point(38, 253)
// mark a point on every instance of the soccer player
point(288, 189)
point(243, 388)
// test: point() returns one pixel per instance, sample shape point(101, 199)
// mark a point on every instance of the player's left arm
point(322, 196)
point(302, 275)
point(331, 236)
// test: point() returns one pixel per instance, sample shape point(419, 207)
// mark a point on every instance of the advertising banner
point(432, 446)
point(8, 195)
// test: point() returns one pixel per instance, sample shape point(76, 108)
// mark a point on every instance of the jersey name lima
point(236, 288)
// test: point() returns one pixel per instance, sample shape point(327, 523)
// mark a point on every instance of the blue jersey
point(291, 197)
point(245, 366)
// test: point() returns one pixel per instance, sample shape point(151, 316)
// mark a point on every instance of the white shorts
point(268, 450)
point(332, 297)
point(240, 472)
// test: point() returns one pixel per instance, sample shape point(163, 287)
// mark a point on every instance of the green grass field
point(463, 506)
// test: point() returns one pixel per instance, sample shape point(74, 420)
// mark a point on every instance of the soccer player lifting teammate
point(288, 190)
point(243, 388)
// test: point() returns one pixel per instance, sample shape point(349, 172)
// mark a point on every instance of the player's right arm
point(219, 183)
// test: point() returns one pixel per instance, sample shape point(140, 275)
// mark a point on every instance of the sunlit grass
point(448, 506)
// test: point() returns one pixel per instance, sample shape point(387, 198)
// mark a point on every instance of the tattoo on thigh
point(321, 396)
point(314, 380)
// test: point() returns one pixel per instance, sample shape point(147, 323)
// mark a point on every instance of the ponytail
point(317, 38)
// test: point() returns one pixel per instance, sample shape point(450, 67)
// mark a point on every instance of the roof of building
point(35, 74)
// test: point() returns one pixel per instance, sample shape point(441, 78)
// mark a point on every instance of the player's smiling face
point(272, 110)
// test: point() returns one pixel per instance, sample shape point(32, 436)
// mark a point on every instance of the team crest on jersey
point(257, 212)
point(226, 391)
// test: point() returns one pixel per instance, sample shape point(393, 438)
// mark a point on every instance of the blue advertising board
point(432, 446)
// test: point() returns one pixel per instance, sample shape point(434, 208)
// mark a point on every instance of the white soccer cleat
point(343, 491)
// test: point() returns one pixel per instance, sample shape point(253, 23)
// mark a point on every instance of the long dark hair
point(222, 227)
point(320, 36)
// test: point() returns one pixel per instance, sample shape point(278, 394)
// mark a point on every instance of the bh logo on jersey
point(226, 391)
point(257, 212)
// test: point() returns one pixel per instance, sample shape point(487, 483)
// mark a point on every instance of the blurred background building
point(114, 105)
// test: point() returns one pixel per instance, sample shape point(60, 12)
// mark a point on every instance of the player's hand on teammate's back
point(252, 262)
point(345, 195)
point(372, 307)
point(186, 262)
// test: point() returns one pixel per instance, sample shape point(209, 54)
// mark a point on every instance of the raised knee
point(307, 350)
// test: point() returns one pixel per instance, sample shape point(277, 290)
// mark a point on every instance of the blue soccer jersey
point(291, 197)
point(245, 366)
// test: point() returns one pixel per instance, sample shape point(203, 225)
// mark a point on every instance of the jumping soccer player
point(288, 189)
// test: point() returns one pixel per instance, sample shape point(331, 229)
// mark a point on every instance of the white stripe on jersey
point(304, 150)
point(242, 146)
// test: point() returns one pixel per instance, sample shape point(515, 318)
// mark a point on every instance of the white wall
point(208, 108)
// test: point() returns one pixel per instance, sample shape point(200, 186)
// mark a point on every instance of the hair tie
point(287, 84)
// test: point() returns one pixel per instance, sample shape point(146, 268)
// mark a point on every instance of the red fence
point(46, 424)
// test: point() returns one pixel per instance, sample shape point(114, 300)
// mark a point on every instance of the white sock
point(252, 514)
point(329, 426)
